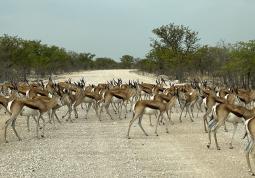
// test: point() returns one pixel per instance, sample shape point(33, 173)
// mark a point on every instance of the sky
point(112, 28)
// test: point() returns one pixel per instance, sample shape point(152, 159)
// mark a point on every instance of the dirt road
point(89, 148)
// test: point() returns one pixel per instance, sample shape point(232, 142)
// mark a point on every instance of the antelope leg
point(234, 131)
point(140, 124)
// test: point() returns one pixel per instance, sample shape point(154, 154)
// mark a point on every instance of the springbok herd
point(219, 104)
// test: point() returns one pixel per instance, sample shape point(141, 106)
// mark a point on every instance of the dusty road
point(89, 148)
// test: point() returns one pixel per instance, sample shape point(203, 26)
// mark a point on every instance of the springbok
point(148, 107)
point(249, 149)
point(187, 99)
point(171, 99)
point(87, 97)
point(41, 103)
point(221, 113)
point(119, 96)
point(208, 102)
point(246, 96)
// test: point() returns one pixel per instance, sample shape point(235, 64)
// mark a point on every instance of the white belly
point(214, 110)
point(87, 100)
point(26, 111)
point(149, 111)
point(144, 93)
point(116, 100)
point(233, 118)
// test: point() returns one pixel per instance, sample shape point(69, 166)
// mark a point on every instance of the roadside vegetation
point(21, 58)
point(175, 51)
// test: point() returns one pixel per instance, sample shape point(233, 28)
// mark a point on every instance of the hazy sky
point(112, 28)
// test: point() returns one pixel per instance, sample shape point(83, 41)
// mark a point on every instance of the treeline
point(21, 58)
point(176, 52)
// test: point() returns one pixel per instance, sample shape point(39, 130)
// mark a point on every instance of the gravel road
point(89, 148)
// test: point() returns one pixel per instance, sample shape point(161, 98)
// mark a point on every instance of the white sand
point(102, 76)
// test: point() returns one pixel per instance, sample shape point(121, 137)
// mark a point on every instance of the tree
point(172, 48)
point(180, 39)
point(127, 61)
point(105, 63)
point(243, 54)
point(19, 58)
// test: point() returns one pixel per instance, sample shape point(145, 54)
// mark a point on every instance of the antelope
point(86, 97)
point(171, 90)
point(162, 78)
point(100, 89)
point(120, 96)
point(28, 112)
point(187, 98)
point(145, 90)
point(49, 86)
point(41, 103)
point(222, 93)
point(163, 98)
point(166, 98)
point(13, 107)
point(246, 96)
point(174, 82)
point(150, 107)
point(249, 149)
point(70, 93)
point(69, 86)
point(25, 88)
point(227, 111)
point(6, 88)
point(31, 93)
point(161, 82)
point(209, 102)
point(67, 99)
